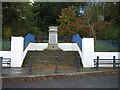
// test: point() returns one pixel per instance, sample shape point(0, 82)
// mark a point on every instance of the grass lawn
point(6, 45)
point(106, 48)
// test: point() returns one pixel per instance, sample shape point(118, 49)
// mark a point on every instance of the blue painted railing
point(29, 38)
point(78, 39)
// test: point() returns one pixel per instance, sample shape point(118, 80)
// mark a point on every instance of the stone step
point(51, 53)
point(48, 57)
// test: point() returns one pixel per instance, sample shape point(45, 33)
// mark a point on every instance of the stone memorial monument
point(53, 38)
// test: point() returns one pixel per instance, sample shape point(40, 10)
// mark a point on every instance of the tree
point(113, 33)
point(24, 17)
point(46, 13)
point(87, 25)
point(20, 17)
point(71, 24)
point(66, 20)
point(7, 32)
point(112, 19)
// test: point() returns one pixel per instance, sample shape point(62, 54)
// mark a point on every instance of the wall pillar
point(16, 51)
point(88, 52)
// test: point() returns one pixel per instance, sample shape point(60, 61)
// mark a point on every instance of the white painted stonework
point(107, 55)
point(88, 52)
point(17, 53)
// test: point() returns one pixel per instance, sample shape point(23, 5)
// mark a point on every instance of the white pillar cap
point(53, 28)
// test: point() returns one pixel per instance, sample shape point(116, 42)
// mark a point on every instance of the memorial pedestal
point(53, 39)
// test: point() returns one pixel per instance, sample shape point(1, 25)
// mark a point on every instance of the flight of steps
point(49, 58)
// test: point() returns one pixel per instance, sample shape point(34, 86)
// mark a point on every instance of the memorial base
point(53, 47)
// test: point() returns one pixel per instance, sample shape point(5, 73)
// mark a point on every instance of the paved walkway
point(24, 72)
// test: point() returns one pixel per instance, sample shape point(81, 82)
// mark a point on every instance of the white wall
point(6, 54)
point(107, 55)
point(77, 48)
point(17, 54)
point(37, 46)
point(34, 47)
point(16, 51)
point(70, 47)
point(66, 46)
point(42, 46)
point(88, 52)
point(89, 55)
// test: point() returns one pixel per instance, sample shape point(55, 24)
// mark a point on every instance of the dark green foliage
point(21, 18)
point(113, 33)
point(46, 13)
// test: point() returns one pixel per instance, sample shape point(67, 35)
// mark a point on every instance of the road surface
point(100, 81)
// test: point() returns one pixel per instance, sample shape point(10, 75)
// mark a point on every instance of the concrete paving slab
point(24, 72)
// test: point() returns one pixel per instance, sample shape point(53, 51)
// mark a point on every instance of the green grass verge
point(6, 45)
point(106, 48)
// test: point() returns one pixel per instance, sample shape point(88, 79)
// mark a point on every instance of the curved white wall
point(70, 47)
point(34, 47)
point(87, 54)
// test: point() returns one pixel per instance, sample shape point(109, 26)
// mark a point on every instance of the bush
point(113, 33)
point(7, 32)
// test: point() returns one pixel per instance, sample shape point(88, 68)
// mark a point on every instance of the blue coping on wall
point(78, 39)
point(29, 38)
